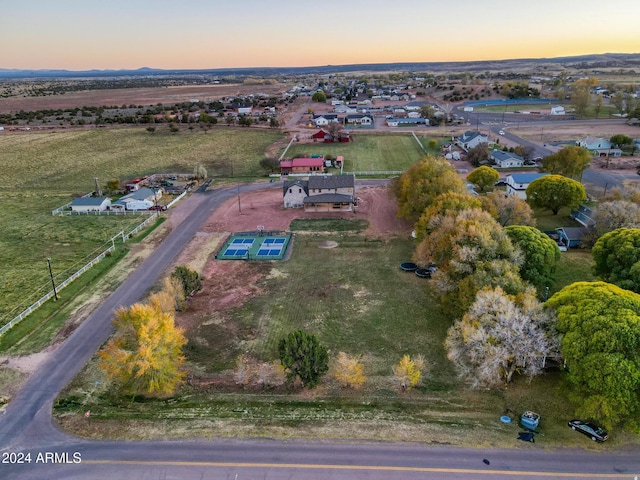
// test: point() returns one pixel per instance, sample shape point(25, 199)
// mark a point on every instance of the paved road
point(27, 429)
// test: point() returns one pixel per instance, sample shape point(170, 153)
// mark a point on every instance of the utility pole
point(239, 208)
point(55, 293)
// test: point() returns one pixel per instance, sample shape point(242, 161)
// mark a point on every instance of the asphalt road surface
point(32, 447)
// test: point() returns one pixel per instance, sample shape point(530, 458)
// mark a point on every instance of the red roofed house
point(302, 165)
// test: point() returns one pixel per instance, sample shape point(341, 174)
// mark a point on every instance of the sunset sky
point(201, 34)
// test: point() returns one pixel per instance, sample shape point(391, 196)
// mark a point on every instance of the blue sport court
point(255, 246)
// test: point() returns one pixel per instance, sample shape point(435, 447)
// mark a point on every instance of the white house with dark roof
point(321, 193)
point(359, 119)
point(141, 199)
point(324, 119)
point(90, 204)
point(506, 159)
point(469, 140)
point(517, 183)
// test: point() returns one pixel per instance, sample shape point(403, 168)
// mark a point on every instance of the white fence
point(22, 315)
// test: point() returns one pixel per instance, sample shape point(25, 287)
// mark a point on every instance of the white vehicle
point(138, 205)
point(501, 132)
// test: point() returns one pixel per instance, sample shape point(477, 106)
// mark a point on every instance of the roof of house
point(526, 177)
point(303, 162)
point(304, 184)
point(140, 194)
point(354, 116)
point(575, 233)
point(329, 198)
point(468, 136)
point(593, 141)
point(88, 201)
point(331, 181)
point(328, 116)
point(500, 156)
point(407, 120)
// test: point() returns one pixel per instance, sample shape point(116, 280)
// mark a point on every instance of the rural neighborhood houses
point(517, 183)
point(469, 140)
point(321, 193)
point(599, 147)
point(506, 159)
point(141, 199)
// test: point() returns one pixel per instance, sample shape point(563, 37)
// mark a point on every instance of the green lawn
point(357, 300)
point(367, 152)
point(42, 171)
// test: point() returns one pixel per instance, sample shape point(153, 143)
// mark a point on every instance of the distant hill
point(606, 60)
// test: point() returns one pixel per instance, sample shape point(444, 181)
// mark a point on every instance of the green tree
point(600, 327)
point(621, 140)
point(571, 161)
point(617, 258)
point(145, 354)
point(319, 97)
point(478, 155)
point(270, 164)
point(190, 280)
point(302, 355)
point(541, 254)
point(471, 252)
point(484, 177)
point(554, 192)
point(422, 182)
point(499, 335)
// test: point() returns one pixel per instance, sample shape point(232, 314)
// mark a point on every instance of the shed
point(90, 204)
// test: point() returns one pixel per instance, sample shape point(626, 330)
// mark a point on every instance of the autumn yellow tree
point(408, 371)
point(348, 370)
point(145, 354)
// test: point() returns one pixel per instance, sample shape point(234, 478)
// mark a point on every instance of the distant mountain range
point(606, 60)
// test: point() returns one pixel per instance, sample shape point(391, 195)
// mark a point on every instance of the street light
point(55, 293)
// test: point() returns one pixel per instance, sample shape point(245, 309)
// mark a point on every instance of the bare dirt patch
point(228, 284)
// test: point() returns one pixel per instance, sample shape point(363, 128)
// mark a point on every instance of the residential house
point(90, 204)
point(506, 159)
point(321, 193)
point(517, 183)
point(469, 140)
point(359, 119)
point(572, 237)
point(599, 147)
point(402, 122)
point(302, 165)
point(324, 119)
point(141, 199)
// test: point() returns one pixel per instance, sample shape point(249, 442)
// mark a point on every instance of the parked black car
point(591, 430)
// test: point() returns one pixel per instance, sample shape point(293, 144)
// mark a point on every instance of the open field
point(366, 152)
point(357, 300)
point(42, 171)
point(134, 96)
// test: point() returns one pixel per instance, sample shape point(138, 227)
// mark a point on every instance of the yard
point(356, 299)
point(366, 152)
